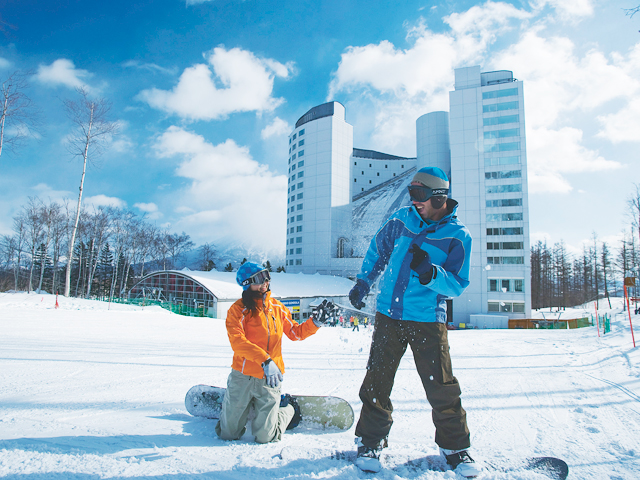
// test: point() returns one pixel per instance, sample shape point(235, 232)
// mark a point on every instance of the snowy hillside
point(90, 393)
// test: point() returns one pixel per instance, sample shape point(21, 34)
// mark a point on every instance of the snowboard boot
point(287, 399)
point(461, 462)
point(367, 458)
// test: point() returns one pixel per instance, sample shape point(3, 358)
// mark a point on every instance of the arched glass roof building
point(212, 293)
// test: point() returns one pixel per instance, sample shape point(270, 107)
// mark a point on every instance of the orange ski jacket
point(257, 336)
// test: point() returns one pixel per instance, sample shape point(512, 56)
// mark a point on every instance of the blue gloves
point(357, 293)
point(421, 264)
point(272, 373)
point(322, 314)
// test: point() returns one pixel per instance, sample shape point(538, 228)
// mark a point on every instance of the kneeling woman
point(255, 325)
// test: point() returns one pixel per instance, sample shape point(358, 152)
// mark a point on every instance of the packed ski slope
point(89, 393)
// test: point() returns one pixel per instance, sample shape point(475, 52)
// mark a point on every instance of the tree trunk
point(67, 284)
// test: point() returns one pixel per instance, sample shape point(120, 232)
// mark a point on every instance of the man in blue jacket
point(423, 254)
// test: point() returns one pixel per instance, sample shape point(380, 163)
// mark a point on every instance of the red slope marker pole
point(57, 306)
point(626, 296)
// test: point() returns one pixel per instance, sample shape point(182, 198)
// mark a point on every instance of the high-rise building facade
point(489, 179)
point(339, 196)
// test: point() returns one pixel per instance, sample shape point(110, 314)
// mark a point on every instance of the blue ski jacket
point(401, 295)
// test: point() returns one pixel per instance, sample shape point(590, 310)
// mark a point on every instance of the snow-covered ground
point(89, 393)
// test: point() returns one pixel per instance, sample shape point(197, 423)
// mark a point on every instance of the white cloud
point(197, 2)
point(623, 125)
point(553, 153)
point(146, 207)
point(397, 86)
point(278, 128)
point(104, 201)
point(62, 72)
point(246, 80)
point(151, 67)
point(567, 10)
point(149, 209)
point(230, 194)
point(413, 81)
point(4, 63)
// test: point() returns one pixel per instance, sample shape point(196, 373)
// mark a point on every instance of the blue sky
point(206, 93)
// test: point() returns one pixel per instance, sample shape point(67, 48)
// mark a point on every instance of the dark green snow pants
point(430, 348)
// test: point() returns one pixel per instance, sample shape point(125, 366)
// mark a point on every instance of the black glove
point(321, 314)
point(357, 293)
point(421, 264)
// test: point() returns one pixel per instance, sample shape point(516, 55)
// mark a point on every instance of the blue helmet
point(247, 274)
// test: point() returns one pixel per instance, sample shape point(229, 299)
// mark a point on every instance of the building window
point(300, 185)
point(505, 174)
point(299, 206)
point(301, 143)
point(301, 164)
point(504, 188)
point(494, 307)
point(509, 92)
point(298, 261)
point(298, 239)
point(291, 251)
point(378, 174)
point(300, 174)
point(502, 147)
point(300, 153)
point(503, 217)
point(293, 167)
point(291, 230)
point(499, 107)
point(505, 202)
point(291, 219)
point(355, 180)
point(301, 132)
point(510, 132)
point(369, 165)
point(299, 196)
point(501, 120)
point(506, 285)
point(298, 218)
point(299, 228)
point(298, 251)
point(490, 161)
point(505, 231)
point(401, 166)
point(355, 163)
point(293, 187)
point(294, 136)
point(369, 181)
point(363, 172)
point(293, 147)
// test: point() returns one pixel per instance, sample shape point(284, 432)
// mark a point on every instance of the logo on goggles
point(420, 193)
point(257, 278)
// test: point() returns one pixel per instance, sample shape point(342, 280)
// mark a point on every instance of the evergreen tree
point(228, 267)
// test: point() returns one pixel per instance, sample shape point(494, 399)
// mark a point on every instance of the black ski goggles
point(257, 278)
point(420, 193)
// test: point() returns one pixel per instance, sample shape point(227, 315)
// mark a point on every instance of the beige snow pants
point(243, 393)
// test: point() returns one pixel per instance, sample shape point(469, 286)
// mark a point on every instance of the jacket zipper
point(266, 317)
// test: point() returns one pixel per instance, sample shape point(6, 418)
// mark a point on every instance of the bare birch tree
point(93, 131)
point(18, 117)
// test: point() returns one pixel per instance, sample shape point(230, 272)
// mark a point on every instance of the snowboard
point(317, 412)
point(552, 467)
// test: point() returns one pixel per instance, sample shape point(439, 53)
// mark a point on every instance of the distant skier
point(356, 323)
point(423, 254)
point(255, 325)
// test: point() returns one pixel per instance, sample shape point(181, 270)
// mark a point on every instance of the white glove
point(272, 373)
